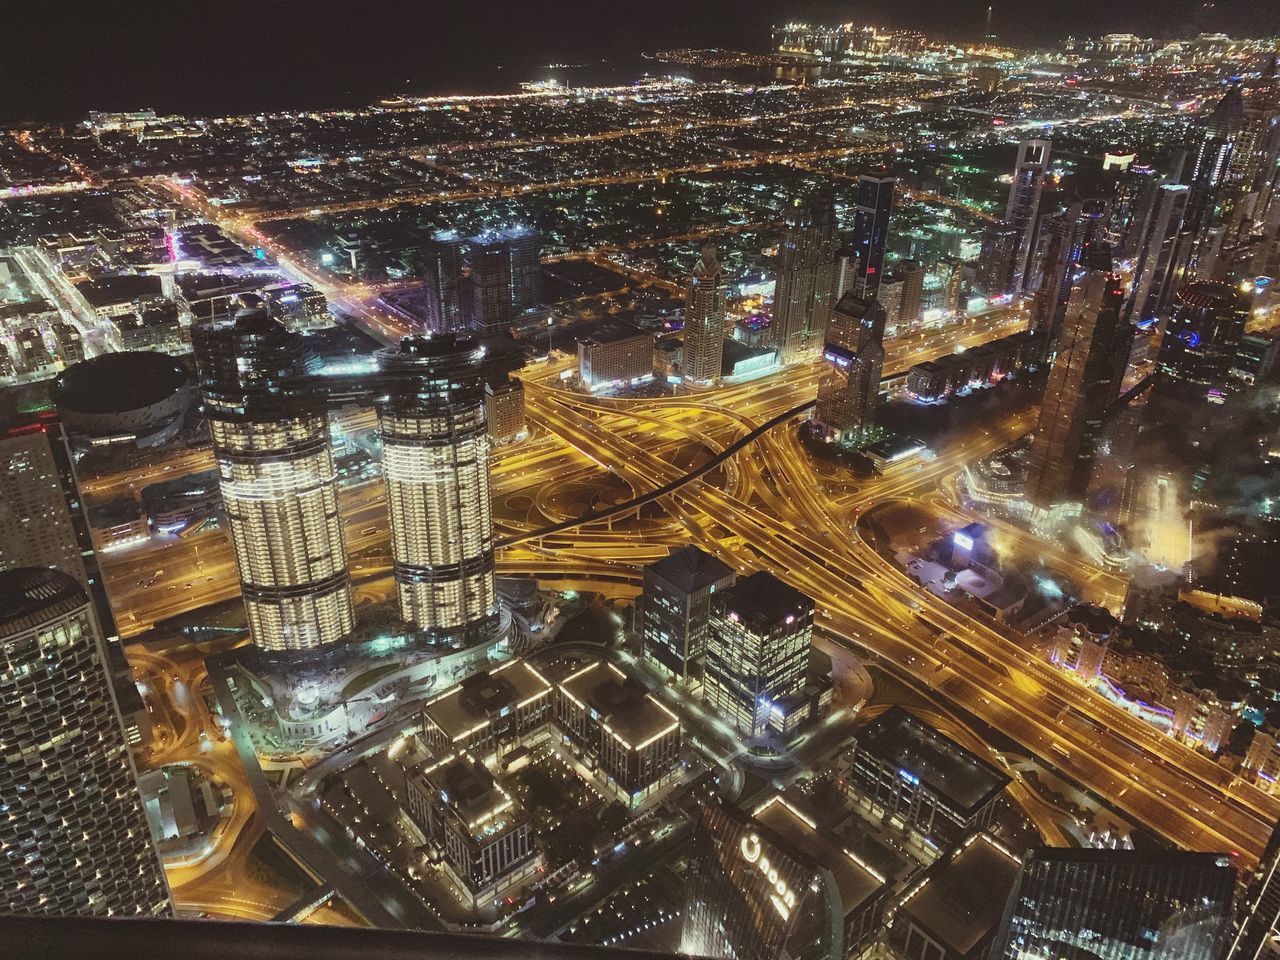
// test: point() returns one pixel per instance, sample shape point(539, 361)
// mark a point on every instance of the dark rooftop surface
point(610, 331)
point(29, 594)
point(121, 289)
point(940, 764)
point(961, 899)
point(116, 382)
point(763, 598)
point(690, 569)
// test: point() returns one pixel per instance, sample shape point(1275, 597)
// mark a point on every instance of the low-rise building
point(619, 732)
point(118, 524)
point(616, 354)
point(489, 713)
point(921, 781)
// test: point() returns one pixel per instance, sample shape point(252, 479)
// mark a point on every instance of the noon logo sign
point(781, 896)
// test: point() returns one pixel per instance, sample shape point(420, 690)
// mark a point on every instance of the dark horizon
point(60, 59)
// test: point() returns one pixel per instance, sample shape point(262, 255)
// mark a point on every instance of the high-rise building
point(1023, 205)
point(441, 264)
point(1211, 170)
point(704, 315)
point(275, 460)
point(772, 885)
point(806, 278)
point(757, 652)
point(1065, 234)
point(1257, 928)
point(436, 464)
point(998, 258)
point(1160, 260)
point(678, 590)
point(1083, 383)
point(870, 234)
point(912, 306)
point(951, 273)
point(74, 835)
point(506, 276)
point(1118, 905)
point(1200, 339)
point(853, 362)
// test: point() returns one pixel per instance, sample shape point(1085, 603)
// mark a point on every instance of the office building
point(997, 260)
point(1023, 206)
point(1211, 169)
point(870, 235)
point(853, 359)
point(275, 460)
point(616, 354)
point(75, 837)
point(618, 731)
point(921, 781)
point(505, 278)
point(1083, 383)
point(504, 409)
point(435, 459)
point(1161, 250)
point(475, 829)
point(704, 315)
point(951, 273)
point(772, 886)
point(952, 911)
point(1256, 935)
point(758, 653)
point(1065, 234)
point(1200, 339)
point(889, 295)
point(490, 713)
point(806, 278)
point(441, 265)
point(678, 590)
point(912, 306)
point(1118, 905)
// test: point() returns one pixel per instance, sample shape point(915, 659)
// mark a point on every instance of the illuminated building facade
point(441, 267)
point(704, 315)
point(489, 713)
point(506, 276)
point(618, 731)
point(678, 590)
point(504, 409)
point(616, 353)
point(997, 260)
point(1161, 253)
point(1257, 929)
point(275, 460)
point(870, 234)
point(772, 886)
point(853, 360)
point(75, 837)
point(1118, 904)
point(757, 652)
point(921, 781)
point(802, 298)
point(1065, 235)
point(1201, 336)
point(436, 466)
point(1083, 383)
point(476, 829)
point(1023, 206)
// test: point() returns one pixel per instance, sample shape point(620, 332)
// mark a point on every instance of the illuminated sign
point(962, 540)
point(909, 777)
point(781, 896)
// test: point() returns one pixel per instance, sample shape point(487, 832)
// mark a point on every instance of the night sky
point(60, 58)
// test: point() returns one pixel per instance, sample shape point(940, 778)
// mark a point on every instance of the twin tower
point(266, 396)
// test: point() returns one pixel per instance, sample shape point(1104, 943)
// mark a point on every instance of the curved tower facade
point(74, 840)
point(275, 460)
point(1200, 339)
point(436, 466)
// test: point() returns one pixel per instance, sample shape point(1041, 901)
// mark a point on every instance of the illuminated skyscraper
point(912, 306)
point(678, 590)
point(871, 233)
point(1211, 170)
point(704, 314)
point(1084, 382)
point(757, 652)
point(806, 278)
point(442, 271)
point(1200, 339)
point(1118, 905)
point(275, 460)
point(1161, 253)
point(853, 360)
point(997, 261)
point(1065, 234)
point(1257, 932)
point(74, 837)
point(506, 276)
point(1023, 205)
point(436, 463)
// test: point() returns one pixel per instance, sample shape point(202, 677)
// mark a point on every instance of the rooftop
point(116, 382)
point(762, 599)
point(960, 900)
point(937, 763)
point(126, 288)
point(483, 696)
point(797, 830)
point(611, 331)
point(690, 569)
point(622, 704)
point(33, 595)
point(470, 791)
